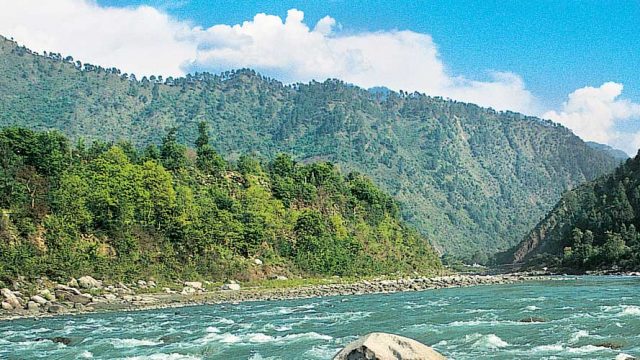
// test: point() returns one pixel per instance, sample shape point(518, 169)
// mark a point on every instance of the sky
point(574, 62)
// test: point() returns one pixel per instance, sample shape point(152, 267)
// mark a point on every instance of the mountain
point(615, 153)
point(593, 226)
point(471, 179)
point(172, 213)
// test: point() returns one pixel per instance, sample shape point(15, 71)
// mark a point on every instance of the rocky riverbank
point(86, 294)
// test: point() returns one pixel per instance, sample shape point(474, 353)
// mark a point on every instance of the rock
point(187, 290)
point(57, 339)
point(282, 278)
point(167, 290)
point(47, 295)
point(73, 283)
point(194, 284)
point(55, 308)
point(67, 289)
point(110, 297)
point(87, 282)
point(39, 299)
point(151, 283)
point(7, 306)
point(142, 284)
point(231, 286)
point(11, 298)
point(80, 299)
point(33, 306)
point(382, 346)
point(257, 261)
point(532, 319)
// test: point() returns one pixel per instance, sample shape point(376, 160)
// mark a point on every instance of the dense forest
point(168, 211)
point(473, 180)
point(593, 227)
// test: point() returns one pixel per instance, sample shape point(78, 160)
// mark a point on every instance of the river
point(582, 318)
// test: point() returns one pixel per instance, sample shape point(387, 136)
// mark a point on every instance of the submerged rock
point(532, 319)
point(57, 339)
point(382, 346)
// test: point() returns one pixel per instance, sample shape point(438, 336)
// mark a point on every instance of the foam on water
point(162, 356)
point(576, 336)
point(489, 341)
point(130, 343)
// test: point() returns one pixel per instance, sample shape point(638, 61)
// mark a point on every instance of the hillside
point(593, 226)
point(115, 212)
point(616, 153)
point(471, 179)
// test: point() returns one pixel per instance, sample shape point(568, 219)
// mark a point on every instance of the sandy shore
point(147, 301)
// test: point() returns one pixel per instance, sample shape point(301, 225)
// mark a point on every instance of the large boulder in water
point(381, 346)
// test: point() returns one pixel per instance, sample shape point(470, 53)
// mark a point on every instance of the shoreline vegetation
point(88, 295)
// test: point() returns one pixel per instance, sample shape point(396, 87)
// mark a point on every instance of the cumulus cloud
point(596, 114)
point(146, 41)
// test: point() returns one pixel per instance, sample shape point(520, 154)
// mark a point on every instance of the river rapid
point(564, 318)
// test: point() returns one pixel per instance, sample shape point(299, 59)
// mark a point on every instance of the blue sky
point(575, 62)
point(556, 46)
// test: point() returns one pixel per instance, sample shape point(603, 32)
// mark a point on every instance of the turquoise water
point(464, 323)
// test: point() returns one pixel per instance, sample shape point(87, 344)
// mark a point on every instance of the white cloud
point(145, 41)
point(596, 113)
point(141, 40)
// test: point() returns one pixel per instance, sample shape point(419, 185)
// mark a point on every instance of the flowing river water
point(573, 318)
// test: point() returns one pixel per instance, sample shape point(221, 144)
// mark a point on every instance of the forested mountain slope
point(593, 226)
point(471, 179)
point(166, 212)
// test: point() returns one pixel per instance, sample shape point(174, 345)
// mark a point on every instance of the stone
point(142, 284)
point(110, 297)
point(11, 298)
point(80, 299)
point(73, 283)
point(167, 290)
point(39, 299)
point(231, 286)
point(532, 319)
point(257, 261)
point(87, 282)
point(281, 278)
point(55, 308)
point(46, 293)
point(151, 283)
point(382, 346)
point(187, 290)
point(194, 284)
point(57, 339)
point(33, 306)
point(6, 306)
point(67, 289)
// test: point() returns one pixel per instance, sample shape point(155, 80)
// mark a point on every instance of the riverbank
point(91, 296)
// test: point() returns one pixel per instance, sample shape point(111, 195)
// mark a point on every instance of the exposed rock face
point(381, 346)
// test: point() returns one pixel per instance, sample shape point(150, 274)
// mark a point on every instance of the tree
point(208, 160)
point(172, 153)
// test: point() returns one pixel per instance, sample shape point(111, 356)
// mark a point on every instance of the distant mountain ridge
point(615, 153)
point(593, 226)
point(470, 178)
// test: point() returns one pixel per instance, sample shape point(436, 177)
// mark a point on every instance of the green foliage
point(116, 212)
point(471, 179)
point(593, 226)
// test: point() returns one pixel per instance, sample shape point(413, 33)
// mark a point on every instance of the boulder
point(151, 283)
point(257, 261)
point(39, 299)
point(73, 283)
point(80, 299)
point(87, 282)
point(47, 295)
point(188, 290)
point(33, 306)
point(142, 284)
point(6, 306)
point(382, 346)
point(232, 286)
point(11, 298)
point(55, 308)
point(68, 289)
point(194, 284)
